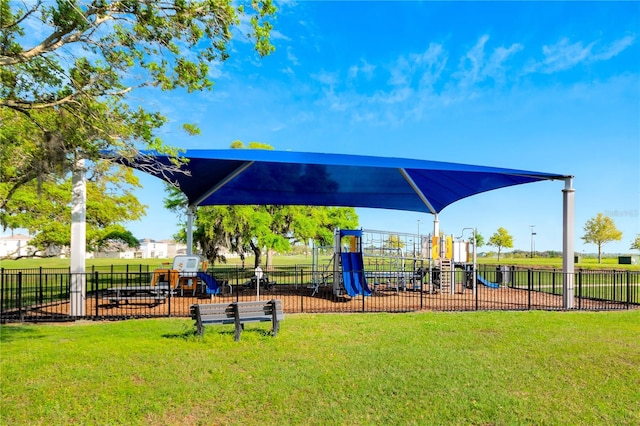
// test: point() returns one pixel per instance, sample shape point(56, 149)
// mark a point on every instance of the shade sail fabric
point(245, 176)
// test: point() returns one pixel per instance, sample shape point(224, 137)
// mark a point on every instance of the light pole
point(533, 241)
point(419, 241)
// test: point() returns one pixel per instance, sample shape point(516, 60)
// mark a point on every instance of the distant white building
point(150, 249)
point(15, 246)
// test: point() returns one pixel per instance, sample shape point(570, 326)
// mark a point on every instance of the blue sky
point(543, 86)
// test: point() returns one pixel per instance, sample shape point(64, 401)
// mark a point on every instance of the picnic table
point(140, 294)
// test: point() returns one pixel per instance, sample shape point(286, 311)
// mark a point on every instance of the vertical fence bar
point(3, 286)
point(628, 289)
point(96, 286)
point(580, 289)
point(19, 297)
point(237, 284)
point(169, 290)
point(40, 297)
point(529, 287)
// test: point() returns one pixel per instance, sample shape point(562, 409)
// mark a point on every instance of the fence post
point(96, 286)
point(237, 284)
point(2, 287)
point(40, 290)
point(628, 289)
point(529, 287)
point(476, 290)
point(169, 291)
point(19, 297)
point(580, 289)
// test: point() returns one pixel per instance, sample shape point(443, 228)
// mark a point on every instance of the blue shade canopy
point(235, 176)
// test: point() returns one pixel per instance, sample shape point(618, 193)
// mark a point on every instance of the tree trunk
point(599, 253)
point(257, 254)
point(269, 260)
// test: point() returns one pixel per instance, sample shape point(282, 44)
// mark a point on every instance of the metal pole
point(475, 260)
point(78, 290)
point(190, 214)
point(568, 250)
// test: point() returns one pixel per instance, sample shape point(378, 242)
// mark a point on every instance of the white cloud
point(471, 63)
point(565, 55)
point(326, 78)
point(474, 68)
point(614, 48)
point(291, 57)
point(365, 69)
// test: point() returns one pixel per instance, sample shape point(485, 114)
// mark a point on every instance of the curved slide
point(212, 285)
point(355, 283)
point(489, 284)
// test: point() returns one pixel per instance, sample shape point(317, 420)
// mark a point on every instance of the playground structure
point(366, 261)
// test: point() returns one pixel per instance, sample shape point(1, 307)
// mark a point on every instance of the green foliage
point(65, 87)
point(479, 240)
point(600, 230)
point(394, 242)
point(502, 368)
point(44, 209)
point(501, 239)
point(635, 245)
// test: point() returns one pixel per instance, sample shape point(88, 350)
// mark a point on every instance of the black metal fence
point(44, 295)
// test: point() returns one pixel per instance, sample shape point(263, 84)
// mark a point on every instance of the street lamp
point(533, 241)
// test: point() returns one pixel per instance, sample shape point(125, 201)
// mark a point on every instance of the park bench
point(238, 313)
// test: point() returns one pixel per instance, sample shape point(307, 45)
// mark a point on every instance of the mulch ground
point(297, 299)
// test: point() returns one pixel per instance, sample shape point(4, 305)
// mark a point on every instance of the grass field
point(422, 368)
point(287, 260)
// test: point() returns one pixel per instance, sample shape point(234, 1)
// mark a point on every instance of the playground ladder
point(445, 275)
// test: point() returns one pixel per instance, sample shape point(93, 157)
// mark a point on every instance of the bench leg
point(239, 328)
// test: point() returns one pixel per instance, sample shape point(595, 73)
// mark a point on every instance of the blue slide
point(347, 276)
point(212, 285)
point(357, 268)
point(353, 277)
point(486, 282)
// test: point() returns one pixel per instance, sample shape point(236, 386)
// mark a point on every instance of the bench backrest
point(256, 310)
point(246, 311)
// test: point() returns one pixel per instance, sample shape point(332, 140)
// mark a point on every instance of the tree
point(635, 245)
point(44, 209)
point(501, 238)
point(65, 89)
point(394, 242)
point(256, 228)
point(600, 230)
point(479, 240)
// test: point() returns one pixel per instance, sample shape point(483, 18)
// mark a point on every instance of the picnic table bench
point(238, 313)
point(139, 294)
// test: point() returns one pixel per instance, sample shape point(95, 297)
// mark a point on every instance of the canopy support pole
point(417, 190)
point(568, 250)
point(191, 210)
point(436, 225)
point(78, 289)
point(223, 182)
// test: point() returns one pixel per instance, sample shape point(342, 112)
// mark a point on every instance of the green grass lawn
point(290, 260)
point(500, 368)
